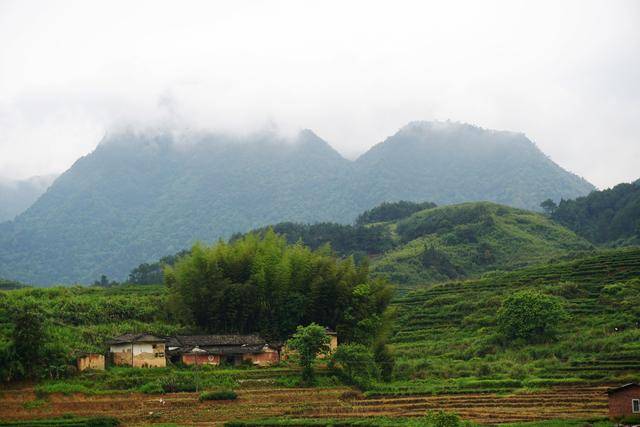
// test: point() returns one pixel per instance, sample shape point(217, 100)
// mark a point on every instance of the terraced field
point(451, 326)
point(185, 409)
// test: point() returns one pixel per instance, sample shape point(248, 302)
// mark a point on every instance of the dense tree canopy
point(530, 315)
point(261, 284)
point(392, 211)
point(606, 216)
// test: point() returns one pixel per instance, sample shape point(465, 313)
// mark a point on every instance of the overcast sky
point(566, 73)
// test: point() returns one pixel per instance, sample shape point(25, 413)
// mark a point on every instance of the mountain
point(453, 163)
point(16, 196)
point(140, 196)
point(415, 246)
point(610, 216)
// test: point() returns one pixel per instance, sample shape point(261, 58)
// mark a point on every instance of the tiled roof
point(622, 387)
point(216, 340)
point(131, 338)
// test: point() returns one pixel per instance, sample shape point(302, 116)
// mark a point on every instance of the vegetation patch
point(218, 395)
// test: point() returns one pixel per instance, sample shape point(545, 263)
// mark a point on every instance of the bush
point(151, 388)
point(442, 419)
point(177, 383)
point(530, 315)
point(355, 364)
point(218, 395)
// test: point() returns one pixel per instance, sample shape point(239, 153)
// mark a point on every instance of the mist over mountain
point(446, 163)
point(17, 195)
point(138, 197)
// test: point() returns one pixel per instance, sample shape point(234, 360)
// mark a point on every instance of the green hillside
point(610, 216)
point(139, 197)
point(446, 336)
point(464, 240)
point(417, 245)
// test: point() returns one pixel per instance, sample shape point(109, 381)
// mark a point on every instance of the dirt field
point(185, 409)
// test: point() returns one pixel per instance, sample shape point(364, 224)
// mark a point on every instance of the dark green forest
point(608, 217)
point(139, 197)
point(427, 245)
point(262, 284)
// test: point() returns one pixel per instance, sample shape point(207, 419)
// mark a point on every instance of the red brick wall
point(620, 402)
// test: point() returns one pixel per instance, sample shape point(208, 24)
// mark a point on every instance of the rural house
point(215, 349)
point(624, 401)
point(93, 361)
point(138, 350)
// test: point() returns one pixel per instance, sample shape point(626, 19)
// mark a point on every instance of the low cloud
point(564, 74)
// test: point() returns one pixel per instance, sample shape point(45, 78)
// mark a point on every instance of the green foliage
point(64, 422)
point(392, 211)
point(218, 395)
point(345, 240)
point(431, 419)
point(465, 240)
point(385, 361)
point(608, 216)
point(530, 315)
point(261, 284)
point(549, 206)
point(308, 342)
point(73, 320)
point(138, 197)
point(442, 419)
point(447, 339)
point(355, 365)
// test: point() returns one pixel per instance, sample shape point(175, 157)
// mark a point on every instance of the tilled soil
point(577, 402)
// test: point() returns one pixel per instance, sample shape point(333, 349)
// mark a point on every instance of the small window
point(635, 405)
point(159, 354)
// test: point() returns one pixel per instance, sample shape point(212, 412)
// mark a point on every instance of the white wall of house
point(138, 348)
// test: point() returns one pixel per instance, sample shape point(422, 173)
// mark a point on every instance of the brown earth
point(577, 402)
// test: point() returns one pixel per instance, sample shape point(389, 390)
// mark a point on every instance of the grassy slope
point(473, 238)
point(446, 336)
point(82, 319)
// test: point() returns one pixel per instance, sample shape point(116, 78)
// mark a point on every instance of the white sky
point(567, 73)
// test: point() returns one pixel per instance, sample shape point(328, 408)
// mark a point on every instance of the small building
point(138, 350)
point(624, 401)
point(90, 361)
point(216, 349)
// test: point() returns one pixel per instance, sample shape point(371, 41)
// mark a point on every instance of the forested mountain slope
point(432, 244)
point(452, 163)
point(463, 240)
point(609, 216)
point(138, 197)
point(16, 196)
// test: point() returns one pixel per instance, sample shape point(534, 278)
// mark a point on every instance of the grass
point(469, 239)
point(431, 419)
point(446, 340)
point(218, 395)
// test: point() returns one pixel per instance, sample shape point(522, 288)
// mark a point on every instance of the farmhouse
point(624, 401)
point(138, 350)
point(216, 349)
point(93, 361)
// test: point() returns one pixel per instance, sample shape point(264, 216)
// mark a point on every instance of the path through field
point(184, 408)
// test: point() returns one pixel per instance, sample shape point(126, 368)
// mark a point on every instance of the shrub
point(151, 388)
point(355, 364)
point(530, 315)
point(442, 419)
point(218, 395)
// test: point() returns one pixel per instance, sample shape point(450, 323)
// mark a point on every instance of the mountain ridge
point(141, 196)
